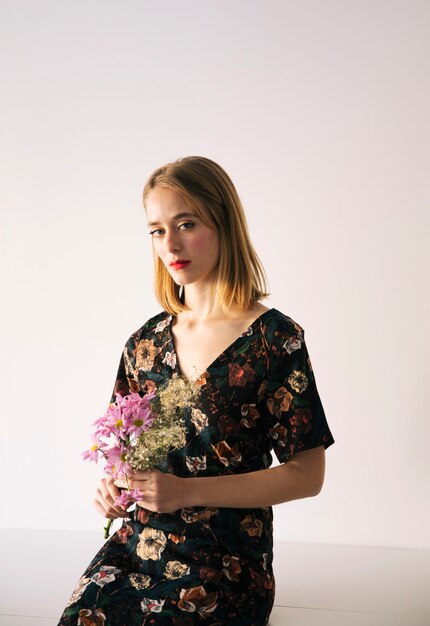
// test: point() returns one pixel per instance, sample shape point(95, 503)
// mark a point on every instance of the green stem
point(109, 521)
point(107, 528)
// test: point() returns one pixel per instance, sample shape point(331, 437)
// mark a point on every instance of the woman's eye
point(183, 224)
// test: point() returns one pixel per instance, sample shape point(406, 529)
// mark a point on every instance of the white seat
point(316, 584)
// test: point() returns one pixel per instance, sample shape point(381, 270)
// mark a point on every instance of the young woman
point(197, 549)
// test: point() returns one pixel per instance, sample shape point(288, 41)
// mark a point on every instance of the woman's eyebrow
point(175, 217)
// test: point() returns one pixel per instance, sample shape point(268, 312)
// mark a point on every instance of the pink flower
point(103, 427)
point(120, 427)
point(115, 423)
point(139, 421)
point(136, 412)
point(110, 468)
point(127, 416)
point(117, 461)
point(128, 497)
point(93, 453)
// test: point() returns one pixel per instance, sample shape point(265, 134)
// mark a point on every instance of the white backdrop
point(319, 113)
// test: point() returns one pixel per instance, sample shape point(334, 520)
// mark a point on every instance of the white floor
point(316, 585)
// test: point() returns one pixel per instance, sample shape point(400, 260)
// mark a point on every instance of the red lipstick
point(177, 265)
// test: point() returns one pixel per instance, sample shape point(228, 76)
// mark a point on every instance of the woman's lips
point(178, 266)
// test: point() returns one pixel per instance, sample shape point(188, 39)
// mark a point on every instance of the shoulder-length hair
point(241, 279)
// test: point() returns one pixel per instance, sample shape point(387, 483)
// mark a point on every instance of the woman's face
point(182, 238)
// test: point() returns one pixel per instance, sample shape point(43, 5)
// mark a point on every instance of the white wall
point(319, 113)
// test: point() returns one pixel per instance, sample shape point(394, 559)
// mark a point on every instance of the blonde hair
point(241, 279)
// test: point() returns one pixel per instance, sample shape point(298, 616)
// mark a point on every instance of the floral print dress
point(207, 565)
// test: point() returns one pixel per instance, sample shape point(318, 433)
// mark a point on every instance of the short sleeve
point(126, 380)
point(296, 417)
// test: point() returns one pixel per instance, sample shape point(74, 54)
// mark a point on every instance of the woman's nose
point(171, 241)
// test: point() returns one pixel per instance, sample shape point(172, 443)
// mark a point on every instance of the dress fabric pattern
point(207, 565)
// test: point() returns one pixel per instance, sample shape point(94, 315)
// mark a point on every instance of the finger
point(143, 485)
point(104, 511)
point(110, 486)
point(108, 510)
point(120, 511)
point(121, 484)
point(111, 492)
point(144, 475)
point(107, 500)
point(101, 510)
point(114, 484)
point(125, 487)
point(146, 504)
point(109, 481)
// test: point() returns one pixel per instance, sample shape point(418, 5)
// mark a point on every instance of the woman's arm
point(302, 476)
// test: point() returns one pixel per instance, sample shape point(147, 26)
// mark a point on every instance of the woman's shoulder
point(283, 333)
point(286, 324)
point(154, 324)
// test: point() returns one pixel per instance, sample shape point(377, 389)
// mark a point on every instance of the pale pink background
point(319, 113)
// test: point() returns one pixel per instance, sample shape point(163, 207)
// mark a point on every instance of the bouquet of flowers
point(136, 433)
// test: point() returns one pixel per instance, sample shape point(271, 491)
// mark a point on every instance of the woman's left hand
point(162, 493)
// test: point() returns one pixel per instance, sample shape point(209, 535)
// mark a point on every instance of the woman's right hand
point(106, 495)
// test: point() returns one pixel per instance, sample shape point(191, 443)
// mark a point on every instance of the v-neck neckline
point(227, 349)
